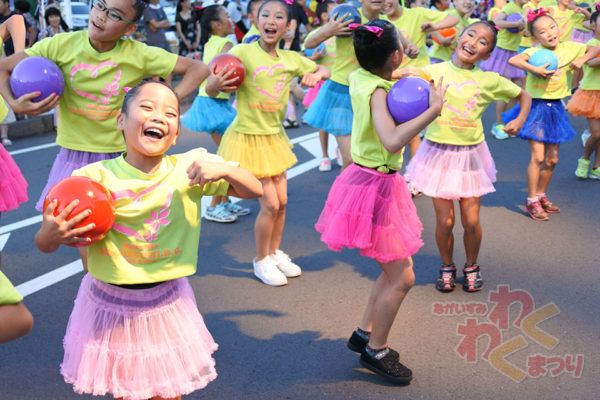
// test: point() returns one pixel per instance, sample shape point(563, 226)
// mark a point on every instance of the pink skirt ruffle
point(452, 172)
point(311, 94)
point(137, 344)
point(373, 212)
point(13, 187)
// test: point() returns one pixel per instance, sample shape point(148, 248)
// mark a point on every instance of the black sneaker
point(386, 365)
point(447, 280)
point(357, 344)
point(473, 281)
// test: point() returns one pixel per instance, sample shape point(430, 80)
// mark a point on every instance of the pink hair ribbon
point(288, 2)
point(532, 15)
point(377, 31)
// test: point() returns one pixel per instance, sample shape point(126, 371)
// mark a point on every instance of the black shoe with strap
point(447, 280)
point(384, 364)
point(473, 281)
point(357, 344)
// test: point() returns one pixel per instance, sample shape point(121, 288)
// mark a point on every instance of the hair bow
point(532, 15)
point(288, 2)
point(377, 31)
point(598, 7)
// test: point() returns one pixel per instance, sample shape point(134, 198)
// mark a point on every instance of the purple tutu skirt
point(581, 36)
point(13, 187)
point(452, 172)
point(137, 344)
point(373, 212)
point(65, 163)
point(498, 62)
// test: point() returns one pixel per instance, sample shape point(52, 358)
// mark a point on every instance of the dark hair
point(52, 10)
point(251, 4)
point(322, 8)
point(492, 28)
point(434, 2)
point(595, 15)
point(207, 16)
point(286, 6)
point(139, 6)
point(372, 52)
point(133, 92)
point(22, 6)
point(531, 24)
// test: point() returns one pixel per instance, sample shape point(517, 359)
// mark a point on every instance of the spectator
point(188, 29)
point(156, 24)
point(54, 23)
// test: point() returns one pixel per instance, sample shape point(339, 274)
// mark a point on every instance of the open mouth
point(97, 26)
point(468, 50)
point(270, 31)
point(154, 133)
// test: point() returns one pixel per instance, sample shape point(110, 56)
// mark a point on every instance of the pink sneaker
point(536, 211)
point(325, 165)
point(548, 206)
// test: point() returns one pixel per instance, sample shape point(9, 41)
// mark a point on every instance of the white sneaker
point(325, 165)
point(585, 136)
point(266, 270)
point(285, 264)
point(6, 142)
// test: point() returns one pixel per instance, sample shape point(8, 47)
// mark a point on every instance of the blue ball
point(344, 9)
point(319, 49)
point(543, 57)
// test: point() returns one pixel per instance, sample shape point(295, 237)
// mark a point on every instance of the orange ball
point(222, 60)
point(446, 32)
point(91, 195)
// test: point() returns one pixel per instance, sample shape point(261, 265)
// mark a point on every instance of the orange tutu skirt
point(585, 103)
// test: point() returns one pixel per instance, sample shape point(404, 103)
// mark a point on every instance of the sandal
point(289, 124)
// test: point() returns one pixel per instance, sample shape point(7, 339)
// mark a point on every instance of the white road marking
point(310, 142)
point(33, 148)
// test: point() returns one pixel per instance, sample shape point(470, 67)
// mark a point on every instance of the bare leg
point(217, 199)
point(15, 321)
point(469, 215)
point(593, 141)
point(324, 139)
point(535, 164)
point(281, 190)
point(386, 297)
point(343, 142)
point(265, 220)
point(500, 108)
point(547, 170)
point(444, 217)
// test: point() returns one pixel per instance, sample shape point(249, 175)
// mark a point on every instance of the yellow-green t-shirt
point(8, 293)
point(469, 93)
point(328, 60)
point(558, 86)
point(95, 85)
point(409, 24)
point(253, 31)
point(157, 220)
point(366, 147)
point(508, 40)
point(345, 60)
point(263, 96)
point(566, 21)
point(548, 3)
point(213, 48)
point(3, 107)
point(492, 13)
point(591, 75)
point(581, 18)
point(445, 52)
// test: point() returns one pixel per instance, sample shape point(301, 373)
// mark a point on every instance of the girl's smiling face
point(545, 31)
point(464, 7)
point(273, 21)
point(150, 121)
point(475, 44)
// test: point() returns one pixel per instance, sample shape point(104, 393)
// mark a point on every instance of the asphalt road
point(289, 342)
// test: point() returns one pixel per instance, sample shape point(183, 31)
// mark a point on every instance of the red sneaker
point(548, 206)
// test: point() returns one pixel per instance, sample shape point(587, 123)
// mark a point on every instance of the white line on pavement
point(3, 240)
point(50, 278)
point(33, 148)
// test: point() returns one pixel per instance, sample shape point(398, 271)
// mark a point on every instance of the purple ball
point(408, 98)
point(37, 74)
point(514, 17)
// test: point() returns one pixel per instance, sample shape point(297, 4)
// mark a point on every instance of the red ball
point(92, 196)
point(222, 60)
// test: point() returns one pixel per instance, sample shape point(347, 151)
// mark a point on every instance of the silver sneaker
point(220, 214)
point(236, 209)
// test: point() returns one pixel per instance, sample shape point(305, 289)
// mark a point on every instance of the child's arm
point(59, 230)
point(15, 321)
point(221, 82)
point(335, 26)
point(501, 22)
point(393, 137)
point(14, 28)
point(193, 72)
point(591, 53)
point(447, 22)
point(521, 61)
point(409, 48)
point(312, 79)
point(242, 183)
point(514, 126)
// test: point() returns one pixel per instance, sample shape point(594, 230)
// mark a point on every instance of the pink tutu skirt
point(373, 212)
point(137, 344)
point(13, 187)
point(452, 172)
point(311, 94)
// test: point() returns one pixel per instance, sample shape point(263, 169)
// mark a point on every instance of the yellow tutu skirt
point(263, 155)
point(585, 103)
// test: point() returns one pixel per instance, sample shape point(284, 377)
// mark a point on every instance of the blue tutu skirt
point(548, 122)
point(331, 111)
point(209, 115)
